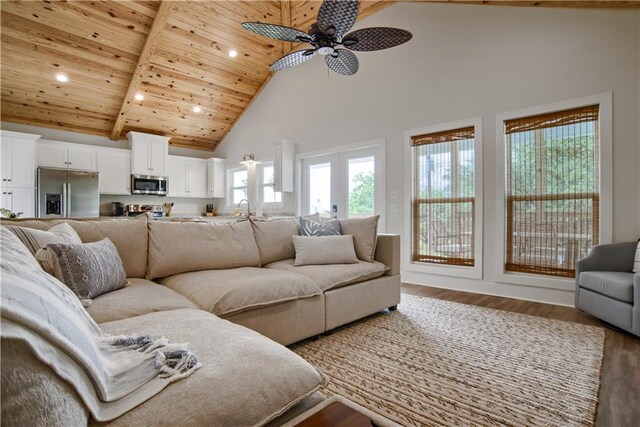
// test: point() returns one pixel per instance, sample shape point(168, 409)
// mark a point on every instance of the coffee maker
point(117, 209)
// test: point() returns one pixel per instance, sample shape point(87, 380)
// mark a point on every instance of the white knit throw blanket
point(112, 374)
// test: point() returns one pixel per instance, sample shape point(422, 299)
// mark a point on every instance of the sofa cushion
point(139, 297)
point(274, 238)
point(246, 379)
point(333, 276)
point(324, 250)
point(614, 284)
point(364, 232)
point(180, 247)
point(226, 292)
point(33, 394)
point(130, 237)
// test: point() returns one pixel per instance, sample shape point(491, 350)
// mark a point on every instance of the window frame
point(378, 148)
point(604, 100)
point(260, 185)
point(472, 272)
point(230, 187)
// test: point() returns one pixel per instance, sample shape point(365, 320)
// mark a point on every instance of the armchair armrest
point(611, 257)
point(388, 252)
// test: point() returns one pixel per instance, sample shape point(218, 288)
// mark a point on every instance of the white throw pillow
point(35, 239)
point(324, 250)
point(636, 261)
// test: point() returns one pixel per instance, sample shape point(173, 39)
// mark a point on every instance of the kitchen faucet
point(248, 206)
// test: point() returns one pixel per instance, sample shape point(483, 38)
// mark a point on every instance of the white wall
point(463, 61)
point(183, 206)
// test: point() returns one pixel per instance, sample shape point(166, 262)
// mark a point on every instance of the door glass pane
point(361, 187)
point(320, 189)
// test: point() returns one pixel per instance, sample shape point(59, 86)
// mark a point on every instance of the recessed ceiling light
point(138, 97)
point(197, 109)
point(62, 78)
point(233, 53)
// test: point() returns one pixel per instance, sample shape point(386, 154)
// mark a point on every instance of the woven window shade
point(553, 194)
point(444, 197)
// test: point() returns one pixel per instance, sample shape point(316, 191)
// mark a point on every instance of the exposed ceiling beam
point(143, 62)
point(285, 8)
point(601, 4)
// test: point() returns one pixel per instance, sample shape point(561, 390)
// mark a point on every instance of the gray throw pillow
point(313, 228)
point(88, 269)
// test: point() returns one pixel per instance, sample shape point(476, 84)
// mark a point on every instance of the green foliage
point(8, 214)
point(362, 196)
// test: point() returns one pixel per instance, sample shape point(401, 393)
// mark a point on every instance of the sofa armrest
point(388, 252)
point(611, 257)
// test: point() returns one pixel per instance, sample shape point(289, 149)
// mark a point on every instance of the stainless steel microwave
point(147, 184)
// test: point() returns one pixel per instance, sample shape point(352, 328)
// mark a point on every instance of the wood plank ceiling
point(174, 53)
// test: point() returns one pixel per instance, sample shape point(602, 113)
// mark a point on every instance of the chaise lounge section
point(233, 293)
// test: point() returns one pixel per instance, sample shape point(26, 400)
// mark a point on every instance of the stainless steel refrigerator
point(67, 194)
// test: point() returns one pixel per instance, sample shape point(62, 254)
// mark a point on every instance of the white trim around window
point(260, 186)
point(474, 272)
point(377, 148)
point(604, 100)
point(229, 198)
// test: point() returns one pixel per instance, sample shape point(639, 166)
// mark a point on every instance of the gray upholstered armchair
point(607, 288)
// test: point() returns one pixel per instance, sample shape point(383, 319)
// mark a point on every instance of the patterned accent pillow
point(88, 269)
point(636, 261)
point(313, 228)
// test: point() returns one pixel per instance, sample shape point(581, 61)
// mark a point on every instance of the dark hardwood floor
point(619, 402)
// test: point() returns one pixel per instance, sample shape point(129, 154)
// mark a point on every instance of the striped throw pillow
point(636, 261)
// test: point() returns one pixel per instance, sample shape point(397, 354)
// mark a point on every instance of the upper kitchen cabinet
point(149, 154)
point(187, 177)
point(215, 177)
point(64, 155)
point(18, 162)
point(114, 166)
point(284, 159)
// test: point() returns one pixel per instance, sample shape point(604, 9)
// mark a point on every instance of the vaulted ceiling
point(173, 53)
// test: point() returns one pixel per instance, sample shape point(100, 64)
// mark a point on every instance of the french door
point(344, 185)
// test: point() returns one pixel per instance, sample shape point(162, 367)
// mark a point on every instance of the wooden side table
point(338, 411)
point(336, 414)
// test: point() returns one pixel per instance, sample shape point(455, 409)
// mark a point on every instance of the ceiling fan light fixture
point(326, 50)
point(328, 36)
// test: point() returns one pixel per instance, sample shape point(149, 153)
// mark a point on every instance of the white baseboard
point(527, 293)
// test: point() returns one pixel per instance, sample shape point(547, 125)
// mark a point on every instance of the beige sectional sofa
point(180, 273)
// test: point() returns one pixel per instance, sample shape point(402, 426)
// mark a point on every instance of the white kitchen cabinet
point(284, 159)
point(18, 162)
point(66, 155)
point(19, 200)
point(149, 154)
point(187, 177)
point(215, 177)
point(18, 170)
point(114, 166)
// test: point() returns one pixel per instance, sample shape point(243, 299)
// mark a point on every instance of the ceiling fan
point(327, 34)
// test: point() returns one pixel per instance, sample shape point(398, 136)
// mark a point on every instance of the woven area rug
point(437, 363)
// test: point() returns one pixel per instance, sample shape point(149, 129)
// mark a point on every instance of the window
point(345, 183)
point(444, 197)
point(552, 190)
point(267, 195)
point(238, 185)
